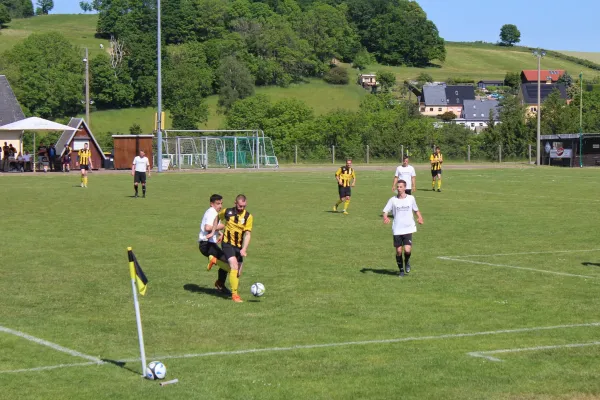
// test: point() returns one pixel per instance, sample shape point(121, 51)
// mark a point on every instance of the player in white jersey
point(407, 174)
point(141, 164)
point(402, 207)
point(208, 241)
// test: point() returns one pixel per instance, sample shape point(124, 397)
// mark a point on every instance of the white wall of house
point(12, 137)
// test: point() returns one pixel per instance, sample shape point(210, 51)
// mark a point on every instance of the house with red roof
point(547, 76)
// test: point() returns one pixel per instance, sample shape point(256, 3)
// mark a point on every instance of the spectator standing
point(43, 157)
point(5, 155)
point(52, 156)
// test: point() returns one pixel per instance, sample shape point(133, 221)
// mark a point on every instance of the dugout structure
point(202, 149)
point(563, 150)
point(126, 147)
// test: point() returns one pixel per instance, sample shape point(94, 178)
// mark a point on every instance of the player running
point(402, 207)
point(208, 241)
point(346, 179)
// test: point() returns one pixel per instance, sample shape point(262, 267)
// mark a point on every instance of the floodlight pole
point(539, 101)
point(87, 88)
point(581, 120)
point(159, 94)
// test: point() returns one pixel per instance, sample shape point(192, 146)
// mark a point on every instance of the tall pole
point(159, 93)
point(581, 120)
point(539, 114)
point(87, 89)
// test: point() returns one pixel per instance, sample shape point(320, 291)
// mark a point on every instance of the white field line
point(515, 267)
point(317, 346)
point(54, 346)
point(483, 354)
point(526, 253)
point(14, 371)
point(367, 342)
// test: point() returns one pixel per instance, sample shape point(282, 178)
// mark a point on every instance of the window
point(440, 109)
point(473, 124)
point(481, 124)
point(422, 109)
point(475, 115)
point(456, 92)
point(431, 109)
point(78, 144)
point(482, 115)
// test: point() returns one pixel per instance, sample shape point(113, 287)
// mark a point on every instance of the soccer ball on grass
point(156, 370)
point(257, 289)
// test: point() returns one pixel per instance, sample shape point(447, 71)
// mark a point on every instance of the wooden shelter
point(76, 140)
point(126, 147)
point(563, 150)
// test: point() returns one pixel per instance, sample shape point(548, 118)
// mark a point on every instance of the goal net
point(193, 149)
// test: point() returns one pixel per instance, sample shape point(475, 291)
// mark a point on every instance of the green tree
point(557, 118)
point(337, 76)
point(27, 8)
point(4, 16)
point(135, 129)
point(46, 73)
point(235, 82)
point(45, 6)
point(512, 79)
point(566, 79)
point(513, 133)
point(328, 32)
point(404, 36)
point(362, 59)
point(509, 35)
point(110, 87)
point(387, 80)
point(447, 116)
point(424, 78)
point(85, 6)
point(187, 81)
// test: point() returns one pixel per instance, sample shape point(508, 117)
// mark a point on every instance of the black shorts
point(435, 173)
point(211, 249)
point(403, 240)
point(139, 177)
point(84, 166)
point(344, 191)
point(66, 160)
point(232, 251)
point(408, 191)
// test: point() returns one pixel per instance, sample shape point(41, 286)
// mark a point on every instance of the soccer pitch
point(502, 300)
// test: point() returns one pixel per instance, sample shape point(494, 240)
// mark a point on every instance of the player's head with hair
point(348, 162)
point(216, 201)
point(405, 161)
point(142, 154)
point(240, 202)
point(401, 186)
point(437, 149)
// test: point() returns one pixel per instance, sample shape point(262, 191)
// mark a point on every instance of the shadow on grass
point(193, 288)
point(380, 271)
point(120, 364)
point(590, 264)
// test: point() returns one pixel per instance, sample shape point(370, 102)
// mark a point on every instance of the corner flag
point(138, 278)
point(137, 273)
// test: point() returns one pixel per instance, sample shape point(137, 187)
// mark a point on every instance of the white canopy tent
point(35, 124)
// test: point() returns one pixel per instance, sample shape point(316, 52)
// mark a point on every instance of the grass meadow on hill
point(508, 259)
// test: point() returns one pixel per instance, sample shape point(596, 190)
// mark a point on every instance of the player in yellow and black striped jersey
point(436, 159)
point(84, 162)
point(346, 178)
point(237, 223)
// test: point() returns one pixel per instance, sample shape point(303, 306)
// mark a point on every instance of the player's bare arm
point(353, 181)
point(414, 183)
point(386, 220)
point(394, 184)
point(245, 243)
point(133, 169)
point(149, 170)
point(419, 217)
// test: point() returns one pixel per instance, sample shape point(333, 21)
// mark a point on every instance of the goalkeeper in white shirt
point(141, 164)
point(402, 207)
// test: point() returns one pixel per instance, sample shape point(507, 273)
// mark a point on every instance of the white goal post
point(202, 149)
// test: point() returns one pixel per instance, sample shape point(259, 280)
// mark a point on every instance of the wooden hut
point(76, 140)
point(126, 147)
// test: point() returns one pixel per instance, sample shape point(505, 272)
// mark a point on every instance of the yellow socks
point(439, 183)
point(338, 203)
point(346, 204)
point(234, 281)
point(433, 184)
point(85, 181)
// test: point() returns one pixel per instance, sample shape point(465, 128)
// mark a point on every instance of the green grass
point(78, 29)
point(329, 279)
point(595, 57)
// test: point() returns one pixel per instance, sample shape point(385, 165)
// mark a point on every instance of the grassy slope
point(329, 279)
point(464, 61)
point(595, 57)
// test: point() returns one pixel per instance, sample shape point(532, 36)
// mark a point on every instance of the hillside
point(463, 61)
point(594, 57)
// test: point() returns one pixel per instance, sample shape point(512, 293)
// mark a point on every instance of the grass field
point(595, 57)
point(508, 259)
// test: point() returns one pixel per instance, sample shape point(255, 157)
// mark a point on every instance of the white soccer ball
point(156, 370)
point(257, 289)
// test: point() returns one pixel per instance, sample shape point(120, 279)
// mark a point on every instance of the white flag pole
point(138, 318)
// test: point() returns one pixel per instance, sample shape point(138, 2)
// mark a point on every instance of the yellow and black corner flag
point(137, 273)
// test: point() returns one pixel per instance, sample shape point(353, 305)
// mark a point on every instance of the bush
point(337, 76)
